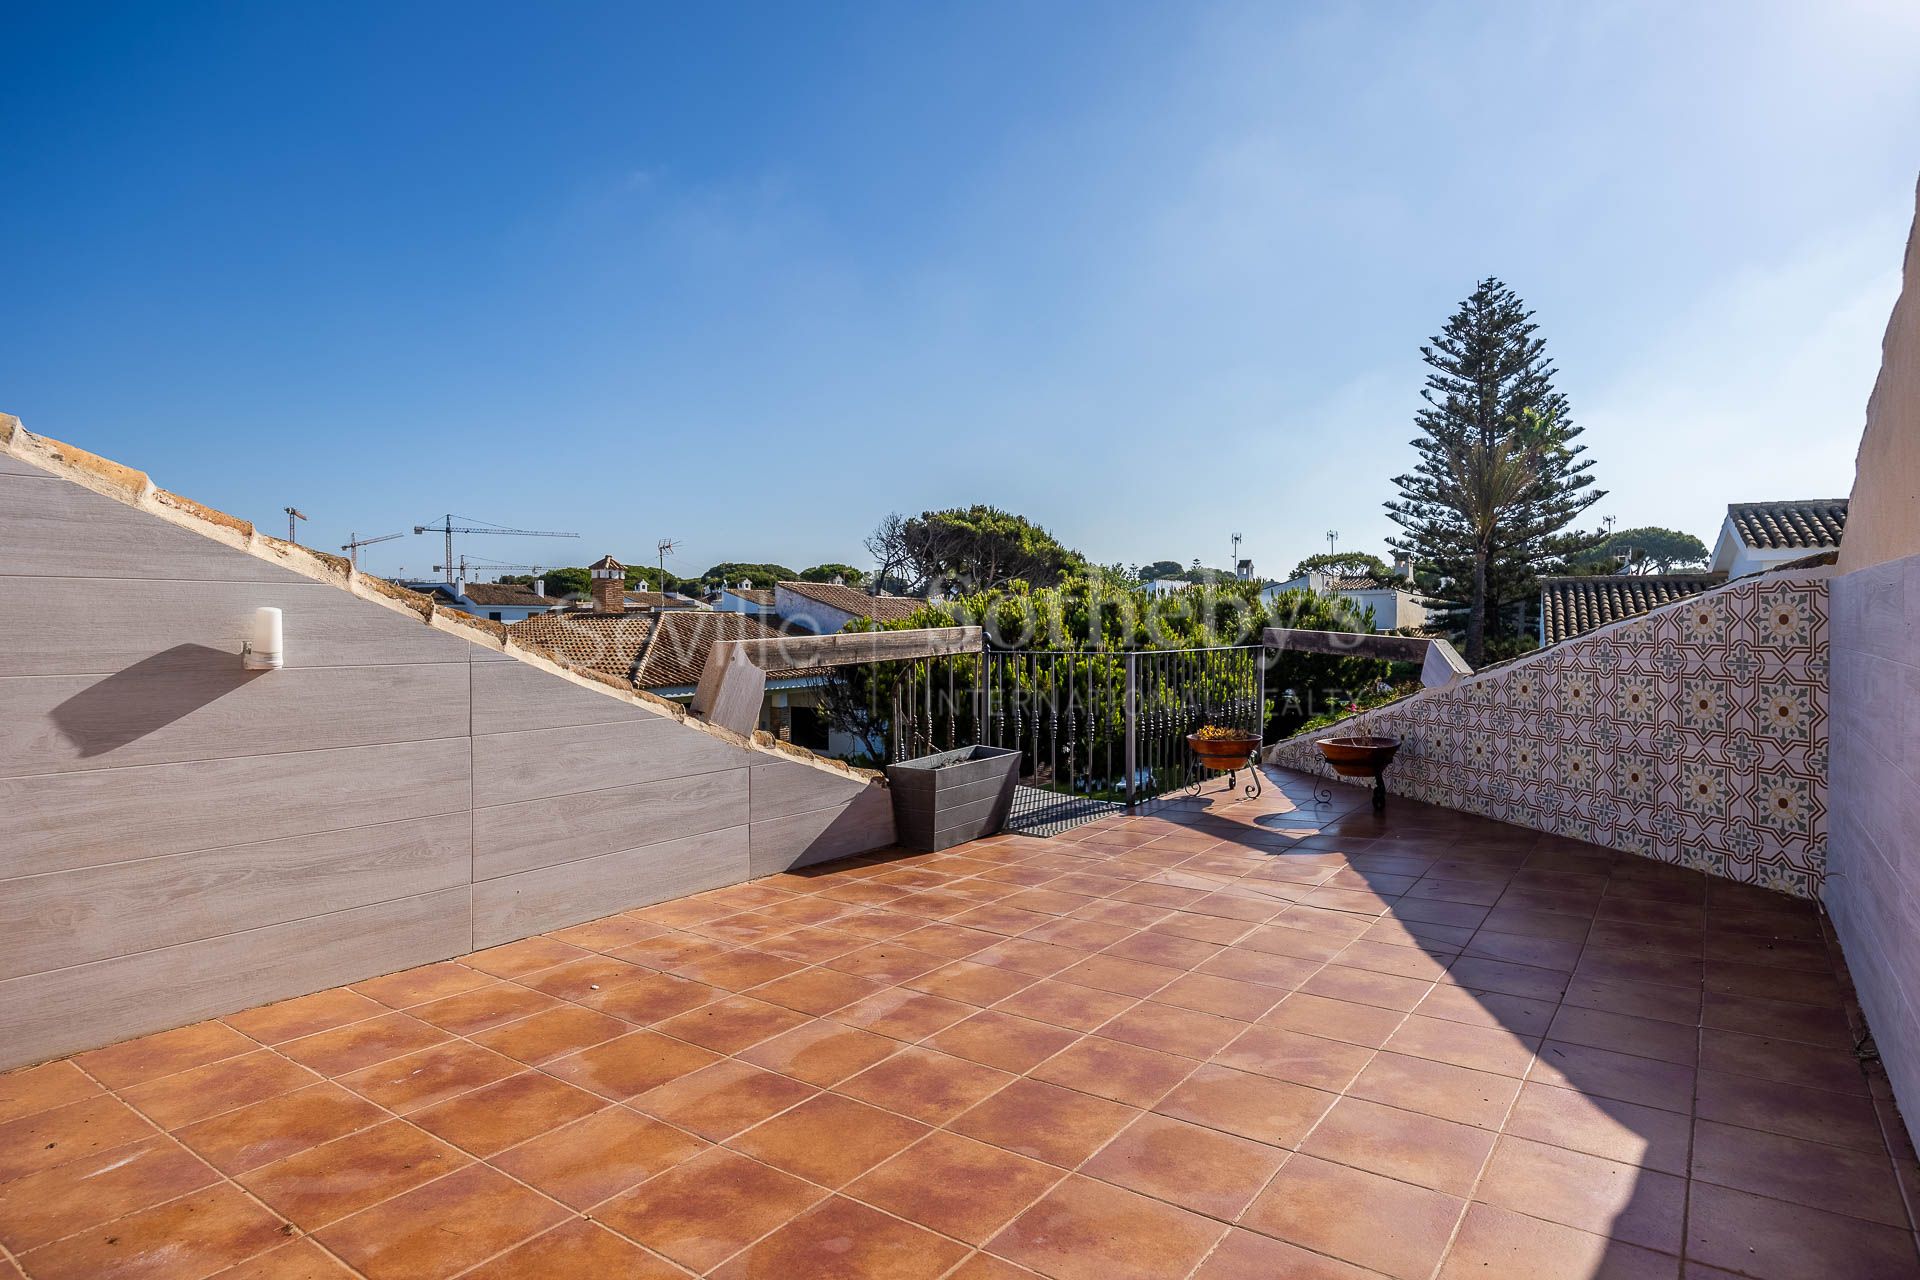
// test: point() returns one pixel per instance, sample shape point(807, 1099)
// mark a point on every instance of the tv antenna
point(664, 548)
point(354, 542)
point(293, 515)
point(449, 528)
point(1333, 536)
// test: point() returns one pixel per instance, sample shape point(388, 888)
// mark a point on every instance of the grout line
point(251, 755)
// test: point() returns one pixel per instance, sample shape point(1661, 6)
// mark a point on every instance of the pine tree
point(1500, 476)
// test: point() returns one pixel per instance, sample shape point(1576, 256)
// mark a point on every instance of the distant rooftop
point(855, 601)
point(1574, 606)
point(1810, 523)
point(507, 593)
point(652, 650)
point(610, 643)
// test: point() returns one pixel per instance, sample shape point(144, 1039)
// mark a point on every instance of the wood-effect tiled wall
point(180, 838)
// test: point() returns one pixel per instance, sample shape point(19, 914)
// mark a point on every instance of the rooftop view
point(1204, 641)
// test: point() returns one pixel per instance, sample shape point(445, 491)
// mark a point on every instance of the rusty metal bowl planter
point(1362, 756)
point(1228, 755)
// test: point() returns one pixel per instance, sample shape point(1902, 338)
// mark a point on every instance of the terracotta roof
point(652, 650)
point(1575, 606)
point(857, 602)
point(753, 595)
point(610, 643)
point(605, 562)
point(513, 593)
point(1812, 523)
point(677, 651)
point(1359, 582)
point(646, 599)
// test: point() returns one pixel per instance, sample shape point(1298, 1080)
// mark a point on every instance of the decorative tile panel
point(1696, 734)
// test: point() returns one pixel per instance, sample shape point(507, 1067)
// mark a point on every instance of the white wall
point(804, 613)
point(731, 603)
point(1873, 892)
point(1736, 559)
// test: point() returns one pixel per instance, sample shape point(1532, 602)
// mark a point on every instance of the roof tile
point(857, 602)
point(652, 650)
point(1575, 606)
point(1771, 526)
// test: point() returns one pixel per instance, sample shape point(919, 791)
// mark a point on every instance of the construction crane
point(354, 542)
point(486, 566)
point(449, 528)
point(293, 515)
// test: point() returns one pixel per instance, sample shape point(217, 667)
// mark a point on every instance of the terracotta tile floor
point(1235, 1039)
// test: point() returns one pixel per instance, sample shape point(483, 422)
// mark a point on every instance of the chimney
point(839, 580)
point(746, 584)
point(1403, 565)
point(609, 578)
point(540, 586)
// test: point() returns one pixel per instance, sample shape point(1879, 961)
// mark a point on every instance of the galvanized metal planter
point(955, 796)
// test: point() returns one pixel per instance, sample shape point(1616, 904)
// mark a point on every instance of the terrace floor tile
point(955, 1185)
point(577, 1248)
point(198, 1234)
point(1201, 1169)
point(1088, 1230)
point(703, 1211)
point(441, 1228)
point(843, 1238)
point(1230, 1040)
point(585, 1162)
point(500, 1115)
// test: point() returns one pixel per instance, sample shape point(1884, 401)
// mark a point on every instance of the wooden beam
point(734, 679)
point(1439, 662)
point(849, 648)
point(731, 689)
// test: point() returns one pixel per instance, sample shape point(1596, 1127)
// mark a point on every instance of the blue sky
point(750, 277)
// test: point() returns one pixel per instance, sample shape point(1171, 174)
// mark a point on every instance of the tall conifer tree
point(1500, 476)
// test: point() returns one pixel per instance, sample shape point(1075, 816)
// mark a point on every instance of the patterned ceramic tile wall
point(1696, 734)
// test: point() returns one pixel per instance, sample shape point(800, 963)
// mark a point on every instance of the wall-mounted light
point(263, 652)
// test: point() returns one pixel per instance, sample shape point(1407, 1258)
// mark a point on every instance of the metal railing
point(1097, 730)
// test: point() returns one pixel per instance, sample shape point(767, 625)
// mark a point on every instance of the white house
point(1394, 607)
point(1166, 586)
point(1757, 536)
point(745, 598)
point(823, 608)
point(507, 602)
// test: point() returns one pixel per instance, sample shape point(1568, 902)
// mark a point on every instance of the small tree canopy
point(729, 573)
point(646, 577)
point(1646, 550)
point(560, 582)
point(982, 548)
point(828, 572)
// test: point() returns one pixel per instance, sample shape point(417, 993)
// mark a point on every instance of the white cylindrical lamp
point(265, 651)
